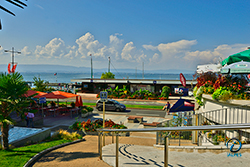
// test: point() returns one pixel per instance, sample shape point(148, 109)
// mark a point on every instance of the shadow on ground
point(63, 156)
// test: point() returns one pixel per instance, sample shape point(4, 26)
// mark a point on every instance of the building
point(89, 85)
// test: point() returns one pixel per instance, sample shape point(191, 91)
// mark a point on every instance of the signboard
point(183, 80)
point(104, 96)
point(42, 100)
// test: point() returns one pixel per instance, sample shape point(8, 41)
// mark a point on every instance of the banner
point(183, 80)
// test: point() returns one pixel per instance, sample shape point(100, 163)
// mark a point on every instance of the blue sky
point(164, 34)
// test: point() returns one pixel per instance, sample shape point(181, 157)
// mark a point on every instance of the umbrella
point(80, 101)
point(59, 95)
point(241, 56)
point(77, 104)
point(32, 92)
point(237, 68)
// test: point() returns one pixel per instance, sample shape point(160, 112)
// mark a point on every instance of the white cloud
point(88, 45)
point(128, 49)
point(173, 55)
point(54, 49)
point(25, 51)
point(150, 47)
point(155, 58)
point(214, 56)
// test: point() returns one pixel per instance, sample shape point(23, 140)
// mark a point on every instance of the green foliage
point(108, 75)
point(12, 90)
point(165, 91)
point(195, 90)
point(52, 103)
point(198, 96)
point(19, 156)
point(40, 85)
point(73, 104)
point(222, 93)
point(63, 134)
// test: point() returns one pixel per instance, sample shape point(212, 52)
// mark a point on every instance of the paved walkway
point(135, 155)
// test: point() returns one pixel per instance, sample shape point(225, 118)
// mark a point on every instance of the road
point(139, 112)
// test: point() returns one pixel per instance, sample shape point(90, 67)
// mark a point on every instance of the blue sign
point(234, 148)
point(42, 100)
point(104, 96)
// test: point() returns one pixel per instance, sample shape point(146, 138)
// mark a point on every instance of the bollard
point(117, 150)
point(100, 146)
point(166, 151)
point(112, 137)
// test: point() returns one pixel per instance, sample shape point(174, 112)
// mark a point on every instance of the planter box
point(84, 115)
point(90, 113)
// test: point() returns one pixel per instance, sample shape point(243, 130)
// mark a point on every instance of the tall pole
point(12, 54)
point(142, 70)
point(109, 64)
point(135, 72)
point(91, 66)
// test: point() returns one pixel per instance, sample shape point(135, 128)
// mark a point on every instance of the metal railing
point(101, 132)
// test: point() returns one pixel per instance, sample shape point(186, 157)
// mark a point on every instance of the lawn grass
point(19, 156)
point(131, 106)
point(127, 106)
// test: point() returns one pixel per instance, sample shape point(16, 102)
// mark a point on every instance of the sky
point(141, 34)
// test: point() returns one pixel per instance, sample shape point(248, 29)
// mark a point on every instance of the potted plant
point(53, 104)
point(84, 113)
point(73, 104)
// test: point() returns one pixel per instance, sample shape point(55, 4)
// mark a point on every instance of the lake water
point(66, 77)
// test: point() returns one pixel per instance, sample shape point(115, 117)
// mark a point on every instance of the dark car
point(110, 105)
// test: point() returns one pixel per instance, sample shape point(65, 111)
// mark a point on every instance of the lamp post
point(91, 66)
point(109, 64)
point(13, 52)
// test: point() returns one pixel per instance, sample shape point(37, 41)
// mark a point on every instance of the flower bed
point(221, 87)
point(92, 126)
point(124, 93)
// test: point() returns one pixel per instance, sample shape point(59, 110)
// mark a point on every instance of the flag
point(13, 68)
point(55, 73)
point(9, 71)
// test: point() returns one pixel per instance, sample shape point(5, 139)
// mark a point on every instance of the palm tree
point(12, 90)
point(17, 3)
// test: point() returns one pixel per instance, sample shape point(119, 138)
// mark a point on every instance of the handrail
point(187, 128)
point(169, 129)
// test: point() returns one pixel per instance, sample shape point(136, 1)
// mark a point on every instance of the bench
point(135, 119)
point(150, 125)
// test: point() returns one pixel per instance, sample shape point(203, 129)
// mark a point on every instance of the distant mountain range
point(72, 69)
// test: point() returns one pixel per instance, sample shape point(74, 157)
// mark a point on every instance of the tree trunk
point(5, 135)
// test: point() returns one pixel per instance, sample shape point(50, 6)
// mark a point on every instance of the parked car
point(110, 105)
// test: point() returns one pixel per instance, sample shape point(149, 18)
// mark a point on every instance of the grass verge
point(131, 106)
point(19, 156)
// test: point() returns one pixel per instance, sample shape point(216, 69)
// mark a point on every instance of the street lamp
point(91, 66)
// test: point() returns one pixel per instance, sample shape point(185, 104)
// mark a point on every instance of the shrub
point(165, 91)
point(72, 104)
point(222, 94)
point(53, 104)
point(63, 134)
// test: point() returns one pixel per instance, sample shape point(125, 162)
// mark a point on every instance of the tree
point(165, 91)
point(12, 90)
point(108, 75)
point(17, 3)
point(40, 84)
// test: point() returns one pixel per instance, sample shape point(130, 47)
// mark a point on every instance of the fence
point(237, 115)
point(229, 127)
